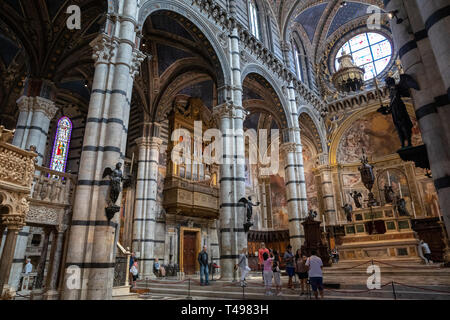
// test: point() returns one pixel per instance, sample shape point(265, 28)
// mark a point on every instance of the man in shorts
point(315, 265)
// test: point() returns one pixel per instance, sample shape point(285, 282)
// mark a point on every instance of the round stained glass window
point(371, 51)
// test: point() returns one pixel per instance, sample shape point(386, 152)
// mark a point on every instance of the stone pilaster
point(39, 283)
point(145, 203)
point(92, 236)
point(33, 123)
point(328, 196)
point(14, 223)
point(51, 286)
point(430, 121)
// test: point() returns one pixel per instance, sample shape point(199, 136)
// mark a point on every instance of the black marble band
point(437, 16)
point(442, 183)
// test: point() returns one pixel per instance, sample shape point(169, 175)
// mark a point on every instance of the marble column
point(39, 284)
point(327, 195)
point(427, 111)
point(145, 203)
point(92, 235)
point(262, 191)
point(13, 224)
point(51, 286)
point(436, 15)
point(33, 123)
point(295, 231)
point(230, 116)
point(428, 20)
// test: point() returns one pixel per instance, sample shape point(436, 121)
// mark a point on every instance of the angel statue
point(400, 115)
point(249, 206)
point(116, 178)
point(348, 209)
point(356, 196)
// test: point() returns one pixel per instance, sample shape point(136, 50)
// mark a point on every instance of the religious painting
point(352, 182)
point(376, 134)
point(278, 198)
point(61, 145)
point(430, 198)
point(311, 189)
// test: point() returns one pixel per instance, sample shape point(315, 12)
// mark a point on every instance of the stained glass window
point(254, 21)
point(298, 66)
point(61, 145)
point(371, 51)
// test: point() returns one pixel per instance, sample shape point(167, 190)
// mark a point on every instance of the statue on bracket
point(356, 196)
point(397, 108)
point(115, 178)
point(312, 214)
point(249, 210)
point(348, 209)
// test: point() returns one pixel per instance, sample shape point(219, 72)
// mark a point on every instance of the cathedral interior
point(144, 127)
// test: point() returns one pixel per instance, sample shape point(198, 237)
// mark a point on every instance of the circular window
point(371, 51)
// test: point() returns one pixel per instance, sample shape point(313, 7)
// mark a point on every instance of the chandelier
point(349, 77)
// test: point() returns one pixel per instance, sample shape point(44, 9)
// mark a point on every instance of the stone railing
point(28, 280)
point(122, 266)
point(52, 194)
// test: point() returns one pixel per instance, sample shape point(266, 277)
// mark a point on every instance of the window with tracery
point(61, 145)
point(371, 51)
point(253, 17)
point(298, 65)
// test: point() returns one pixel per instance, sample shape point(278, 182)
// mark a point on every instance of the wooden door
point(189, 252)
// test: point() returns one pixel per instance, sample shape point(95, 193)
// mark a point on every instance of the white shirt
point(314, 263)
point(426, 248)
point(28, 268)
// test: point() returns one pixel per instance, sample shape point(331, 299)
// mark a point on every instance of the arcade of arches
point(245, 90)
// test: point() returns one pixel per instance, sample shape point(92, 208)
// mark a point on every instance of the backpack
point(134, 270)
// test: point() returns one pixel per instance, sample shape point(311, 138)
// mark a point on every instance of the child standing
point(268, 273)
point(276, 272)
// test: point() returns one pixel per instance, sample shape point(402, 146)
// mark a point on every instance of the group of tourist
point(305, 268)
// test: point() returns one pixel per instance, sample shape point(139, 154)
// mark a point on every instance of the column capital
point(137, 58)
point(104, 48)
point(149, 142)
point(24, 104)
point(13, 221)
point(45, 106)
point(288, 147)
point(229, 110)
point(222, 110)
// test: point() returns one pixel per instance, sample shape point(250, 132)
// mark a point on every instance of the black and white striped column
point(428, 113)
point(328, 196)
point(92, 236)
point(145, 203)
point(293, 201)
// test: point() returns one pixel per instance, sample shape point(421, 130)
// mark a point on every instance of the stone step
point(383, 294)
point(254, 291)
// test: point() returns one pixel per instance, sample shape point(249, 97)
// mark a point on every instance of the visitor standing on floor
point(426, 251)
point(315, 265)
point(134, 271)
point(276, 272)
point(302, 271)
point(290, 266)
point(203, 261)
point(159, 269)
point(268, 273)
point(28, 266)
point(243, 266)
point(261, 251)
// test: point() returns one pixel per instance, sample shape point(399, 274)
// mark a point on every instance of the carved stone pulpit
point(16, 176)
point(314, 240)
